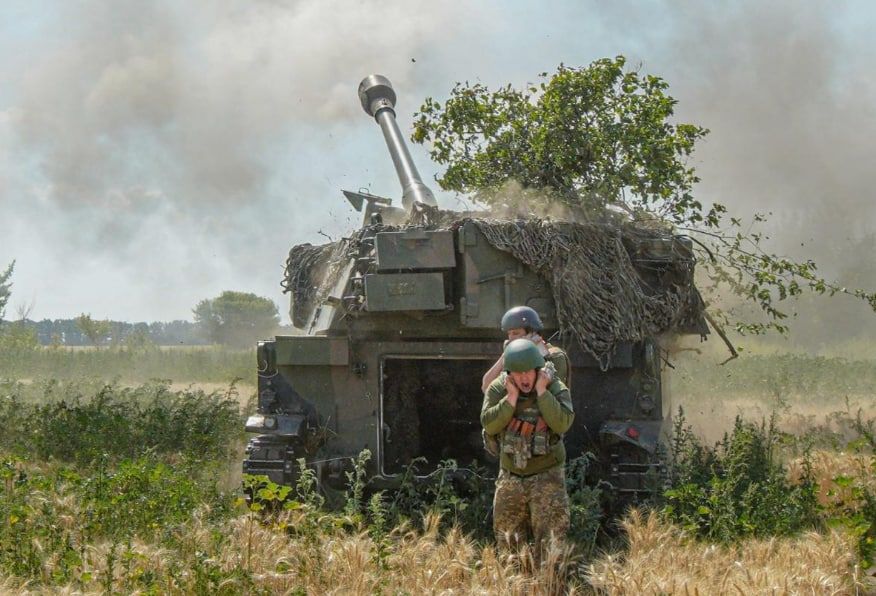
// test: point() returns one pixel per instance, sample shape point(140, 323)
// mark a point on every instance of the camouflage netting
point(311, 272)
point(600, 296)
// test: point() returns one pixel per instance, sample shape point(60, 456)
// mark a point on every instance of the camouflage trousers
point(537, 504)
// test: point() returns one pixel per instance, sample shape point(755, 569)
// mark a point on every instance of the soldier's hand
point(541, 383)
point(512, 391)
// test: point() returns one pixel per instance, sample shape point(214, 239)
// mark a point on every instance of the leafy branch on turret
point(600, 144)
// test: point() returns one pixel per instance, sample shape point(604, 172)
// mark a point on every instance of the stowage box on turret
point(401, 319)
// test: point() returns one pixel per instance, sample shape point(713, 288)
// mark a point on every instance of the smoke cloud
point(175, 144)
point(792, 119)
point(180, 149)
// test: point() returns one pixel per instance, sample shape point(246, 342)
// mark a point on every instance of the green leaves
point(602, 140)
point(120, 422)
point(52, 514)
point(738, 488)
point(593, 136)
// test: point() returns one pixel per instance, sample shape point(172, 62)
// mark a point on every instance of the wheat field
point(85, 513)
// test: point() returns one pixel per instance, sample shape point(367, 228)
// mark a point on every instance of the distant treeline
point(66, 332)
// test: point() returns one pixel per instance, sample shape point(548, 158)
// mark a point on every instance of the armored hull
point(400, 321)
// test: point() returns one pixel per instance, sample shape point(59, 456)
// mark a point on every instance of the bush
point(52, 515)
point(738, 488)
point(73, 424)
point(857, 512)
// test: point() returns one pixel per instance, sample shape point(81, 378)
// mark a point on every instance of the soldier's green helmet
point(521, 317)
point(522, 355)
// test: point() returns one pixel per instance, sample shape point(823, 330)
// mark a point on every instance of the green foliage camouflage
point(601, 141)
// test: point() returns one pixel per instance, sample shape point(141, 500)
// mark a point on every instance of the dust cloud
point(175, 148)
point(172, 144)
point(792, 118)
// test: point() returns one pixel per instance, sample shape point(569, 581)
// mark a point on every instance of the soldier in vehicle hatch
point(528, 411)
point(524, 322)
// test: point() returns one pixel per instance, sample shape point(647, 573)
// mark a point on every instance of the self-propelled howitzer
point(400, 320)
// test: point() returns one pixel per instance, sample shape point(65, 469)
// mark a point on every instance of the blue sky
point(156, 153)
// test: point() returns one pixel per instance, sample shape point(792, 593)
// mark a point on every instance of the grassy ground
point(131, 486)
point(187, 364)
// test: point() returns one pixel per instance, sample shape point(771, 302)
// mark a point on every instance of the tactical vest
point(527, 434)
point(539, 441)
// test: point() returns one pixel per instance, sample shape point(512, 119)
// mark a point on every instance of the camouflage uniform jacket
point(554, 406)
point(557, 356)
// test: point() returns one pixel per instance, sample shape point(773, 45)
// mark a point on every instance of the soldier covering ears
point(524, 322)
point(528, 411)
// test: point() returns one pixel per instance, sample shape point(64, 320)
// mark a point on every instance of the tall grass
point(792, 378)
point(71, 423)
point(661, 558)
point(108, 488)
point(183, 364)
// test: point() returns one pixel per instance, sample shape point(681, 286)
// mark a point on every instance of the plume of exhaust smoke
point(164, 129)
point(160, 128)
point(792, 119)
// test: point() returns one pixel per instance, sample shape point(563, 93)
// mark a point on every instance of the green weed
point(132, 365)
point(53, 514)
point(585, 504)
point(738, 488)
point(118, 422)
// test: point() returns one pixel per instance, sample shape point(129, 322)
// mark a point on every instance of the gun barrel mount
point(378, 100)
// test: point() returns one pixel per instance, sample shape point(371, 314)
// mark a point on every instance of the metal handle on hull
point(378, 100)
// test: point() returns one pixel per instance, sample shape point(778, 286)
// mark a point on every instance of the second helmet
point(521, 317)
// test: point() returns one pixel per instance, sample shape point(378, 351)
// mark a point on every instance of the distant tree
point(236, 318)
point(20, 334)
point(5, 288)
point(138, 339)
point(94, 330)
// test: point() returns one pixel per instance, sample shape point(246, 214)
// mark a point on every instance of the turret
point(378, 100)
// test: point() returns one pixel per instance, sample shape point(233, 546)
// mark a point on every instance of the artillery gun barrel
point(378, 100)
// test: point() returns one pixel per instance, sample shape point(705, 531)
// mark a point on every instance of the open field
point(184, 364)
point(132, 486)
